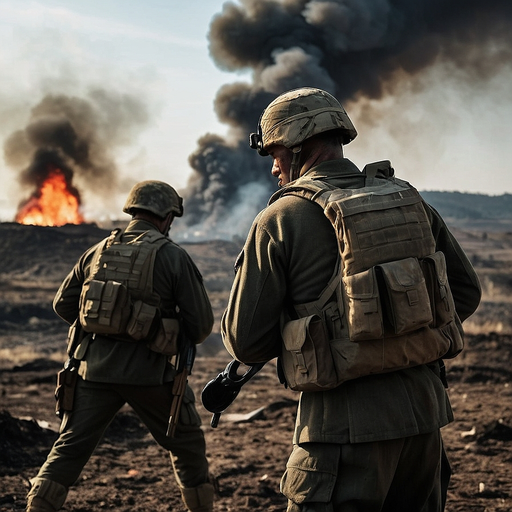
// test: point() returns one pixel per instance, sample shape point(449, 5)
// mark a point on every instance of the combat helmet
point(299, 114)
point(155, 196)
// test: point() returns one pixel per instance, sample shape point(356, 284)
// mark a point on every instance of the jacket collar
point(140, 225)
point(332, 168)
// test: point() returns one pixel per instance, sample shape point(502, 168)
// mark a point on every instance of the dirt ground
point(249, 448)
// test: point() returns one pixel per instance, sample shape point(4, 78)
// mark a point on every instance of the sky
point(155, 50)
point(441, 131)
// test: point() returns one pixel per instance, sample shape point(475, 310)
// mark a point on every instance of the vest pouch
point(455, 333)
point(166, 339)
point(105, 307)
point(441, 298)
point(306, 356)
point(363, 311)
point(404, 296)
point(141, 320)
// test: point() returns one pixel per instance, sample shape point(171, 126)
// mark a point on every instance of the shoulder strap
point(316, 306)
point(114, 236)
point(149, 237)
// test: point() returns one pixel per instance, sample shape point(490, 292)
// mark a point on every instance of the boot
point(45, 496)
point(198, 499)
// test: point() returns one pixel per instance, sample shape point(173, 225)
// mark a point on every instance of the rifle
point(67, 377)
point(185, 363)
point(220, 392)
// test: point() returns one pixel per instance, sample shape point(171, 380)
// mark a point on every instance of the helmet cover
point(299, 114)
point(154, 196)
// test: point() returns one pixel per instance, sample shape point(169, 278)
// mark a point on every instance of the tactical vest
point(117, 297)
point(388, 305)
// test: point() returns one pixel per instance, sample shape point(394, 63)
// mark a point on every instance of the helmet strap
point(294, 167)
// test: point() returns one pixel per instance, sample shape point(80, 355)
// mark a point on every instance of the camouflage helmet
point(299, 114)
point(154, 196)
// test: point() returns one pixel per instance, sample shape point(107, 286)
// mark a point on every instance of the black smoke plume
point(352, 48)
point(76, 135)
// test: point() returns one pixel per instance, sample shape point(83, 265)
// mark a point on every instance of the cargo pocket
point(188, 414)
point(404, 296)
point(364, 312)
point(311, 473)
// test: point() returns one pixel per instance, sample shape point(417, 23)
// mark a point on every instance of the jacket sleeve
point(462, 277)
point(288, 258)
point(250, 325)
point(67, 299)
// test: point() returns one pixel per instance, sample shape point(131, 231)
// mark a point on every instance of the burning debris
point(355, 49)
point(55, 201)
point(67, 145)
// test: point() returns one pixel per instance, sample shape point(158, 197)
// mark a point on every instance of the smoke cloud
point(77, 135)
point(355, 49)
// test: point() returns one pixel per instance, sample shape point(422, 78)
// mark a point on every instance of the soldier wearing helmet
point(132, 362)
point(296, 116)
point(156, 197)
point(371, 442)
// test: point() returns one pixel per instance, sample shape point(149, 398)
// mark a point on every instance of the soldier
point(367, 435)
point(130, 360)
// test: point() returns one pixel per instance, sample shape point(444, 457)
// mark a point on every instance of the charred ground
point(249, 448)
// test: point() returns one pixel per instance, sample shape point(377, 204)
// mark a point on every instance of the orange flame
point(54, 204)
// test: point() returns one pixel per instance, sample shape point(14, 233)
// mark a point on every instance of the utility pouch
point(455, 334)
point(65, 390)
point(363, 311)
point(441, 298)
point(404, 296)
point(166, 339)
point(105, 307)
point(306, 356)
point(141, 320)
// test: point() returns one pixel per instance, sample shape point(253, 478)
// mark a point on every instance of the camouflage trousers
point(96, 404)
point(400, 475)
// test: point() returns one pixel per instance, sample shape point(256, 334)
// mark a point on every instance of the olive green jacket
point(288, 258)
point(179, 284)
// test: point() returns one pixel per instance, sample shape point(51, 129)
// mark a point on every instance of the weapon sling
point(185, 363)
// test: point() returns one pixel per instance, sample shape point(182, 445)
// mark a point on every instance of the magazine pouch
point(105, 307)
point(363, 311)
point(404, 296)
point(306, 356)
point(166, 339)
point(141, 320)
